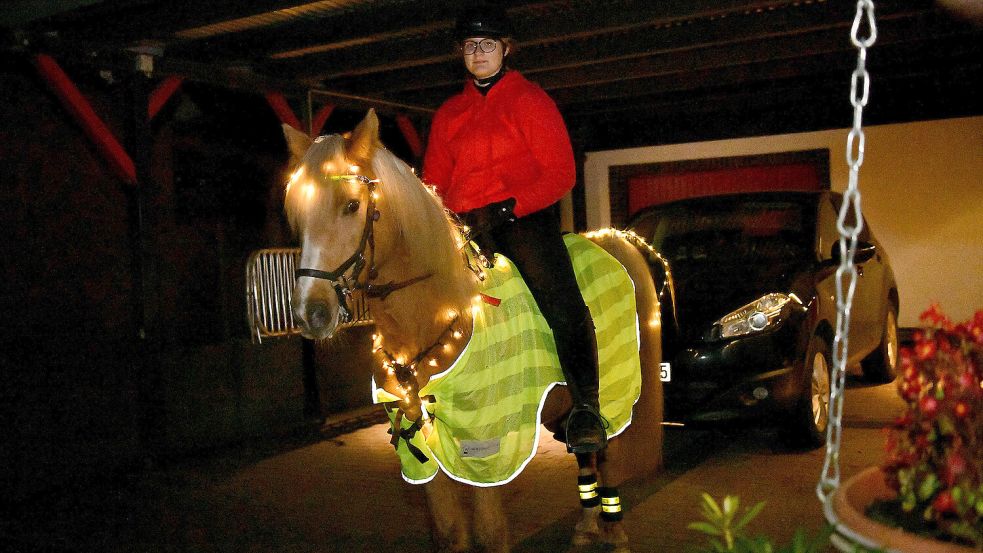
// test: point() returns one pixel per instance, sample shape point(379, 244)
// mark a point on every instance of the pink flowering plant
point(935, 447)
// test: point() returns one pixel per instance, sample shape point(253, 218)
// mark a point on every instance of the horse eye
point(351, 206)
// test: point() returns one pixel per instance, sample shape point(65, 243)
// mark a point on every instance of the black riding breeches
point(535, 246)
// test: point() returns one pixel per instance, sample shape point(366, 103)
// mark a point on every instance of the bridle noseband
point(343, 285)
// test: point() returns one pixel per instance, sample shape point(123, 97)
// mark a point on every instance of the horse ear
point(297, 143)
point(364, 140)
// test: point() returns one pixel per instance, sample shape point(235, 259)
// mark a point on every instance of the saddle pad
point(486, 417)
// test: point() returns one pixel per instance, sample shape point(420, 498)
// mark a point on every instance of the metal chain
point(849, 223)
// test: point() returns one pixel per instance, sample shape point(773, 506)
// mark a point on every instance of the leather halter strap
point(356, 261)
point(382, 291)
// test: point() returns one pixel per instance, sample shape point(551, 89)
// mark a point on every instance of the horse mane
point(415, 210)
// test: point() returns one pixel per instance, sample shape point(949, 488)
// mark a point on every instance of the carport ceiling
point(603, 61)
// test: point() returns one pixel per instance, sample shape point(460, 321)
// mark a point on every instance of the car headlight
point(753, 317)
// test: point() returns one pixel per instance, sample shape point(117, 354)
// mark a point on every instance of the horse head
point(361, 215)
point(333, 208)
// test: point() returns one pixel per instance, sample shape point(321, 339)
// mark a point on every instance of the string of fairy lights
point(401, 373)
point(632, 238)
point(405, 373)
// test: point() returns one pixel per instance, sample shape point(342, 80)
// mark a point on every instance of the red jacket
point(511, 143)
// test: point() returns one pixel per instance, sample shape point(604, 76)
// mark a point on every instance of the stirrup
point(600, 427)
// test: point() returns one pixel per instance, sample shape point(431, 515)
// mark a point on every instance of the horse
point(366, 222)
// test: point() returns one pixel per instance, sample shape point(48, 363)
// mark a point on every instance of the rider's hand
point(490, 216)
point(484, 219)
point(504, 211)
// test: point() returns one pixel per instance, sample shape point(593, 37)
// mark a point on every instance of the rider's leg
point(536, 247)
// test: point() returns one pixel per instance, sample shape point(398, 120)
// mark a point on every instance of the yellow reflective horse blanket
point(487, 408)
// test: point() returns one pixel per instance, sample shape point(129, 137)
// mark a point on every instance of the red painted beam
point(410, 134)
point(321, 118)
point(81, 110)
point(161, 95)
point(282, 109)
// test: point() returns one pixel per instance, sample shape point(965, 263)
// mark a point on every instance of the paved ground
point(344, 494)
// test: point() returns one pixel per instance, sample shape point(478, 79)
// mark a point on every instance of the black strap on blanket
point(405, 433)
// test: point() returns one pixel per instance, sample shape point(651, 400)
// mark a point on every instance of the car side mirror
point(865, 252)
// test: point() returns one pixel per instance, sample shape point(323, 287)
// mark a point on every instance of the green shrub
point(725, 531)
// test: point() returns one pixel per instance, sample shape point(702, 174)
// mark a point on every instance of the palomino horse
point(365, 221)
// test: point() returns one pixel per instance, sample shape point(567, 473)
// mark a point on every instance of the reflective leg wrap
point(587, 486)
point(610, 505)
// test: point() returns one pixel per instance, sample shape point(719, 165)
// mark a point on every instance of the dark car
point(749, 307)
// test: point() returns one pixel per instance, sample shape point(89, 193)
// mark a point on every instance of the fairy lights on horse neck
point(402, 375)
point(405, 372)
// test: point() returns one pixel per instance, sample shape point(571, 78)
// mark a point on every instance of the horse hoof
point(583, 539)
point(586, 532)
point(615, 538)
point(619, 547)
point(586, 536)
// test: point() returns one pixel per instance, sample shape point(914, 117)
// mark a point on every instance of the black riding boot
point(585, 428)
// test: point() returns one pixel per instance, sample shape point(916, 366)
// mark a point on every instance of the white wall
point(922, 193)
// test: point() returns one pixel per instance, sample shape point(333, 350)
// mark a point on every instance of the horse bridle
point(343, 285)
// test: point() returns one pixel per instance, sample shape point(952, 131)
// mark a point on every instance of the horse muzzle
point(317, 310)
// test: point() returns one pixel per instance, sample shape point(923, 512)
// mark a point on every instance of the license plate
point(665, 372)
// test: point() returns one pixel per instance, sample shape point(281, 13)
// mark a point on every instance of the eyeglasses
point(487, 46)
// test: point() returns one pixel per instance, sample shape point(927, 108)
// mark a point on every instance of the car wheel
point(810, 416)
point(882, 364)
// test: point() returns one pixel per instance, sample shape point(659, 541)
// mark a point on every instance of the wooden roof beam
point(627, 57)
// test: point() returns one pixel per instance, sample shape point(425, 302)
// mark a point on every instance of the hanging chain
point(849, 223)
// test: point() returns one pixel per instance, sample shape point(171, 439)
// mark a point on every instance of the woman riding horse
point(500, 157)
point(465, 362)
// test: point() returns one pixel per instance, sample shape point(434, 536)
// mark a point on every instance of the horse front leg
point(587, 531)
point(490, 525)
point(451, 529)
point(612, 527)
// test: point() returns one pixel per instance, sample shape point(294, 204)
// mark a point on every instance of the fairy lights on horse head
point(342, 284)
point(364, 253)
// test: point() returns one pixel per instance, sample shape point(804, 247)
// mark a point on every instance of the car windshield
point(734, 228)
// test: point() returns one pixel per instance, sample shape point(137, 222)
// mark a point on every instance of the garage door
point(653, 189)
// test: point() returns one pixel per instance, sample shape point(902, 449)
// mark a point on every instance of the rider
point(499, 155)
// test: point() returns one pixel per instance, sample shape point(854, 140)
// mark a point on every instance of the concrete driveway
point(343, 494)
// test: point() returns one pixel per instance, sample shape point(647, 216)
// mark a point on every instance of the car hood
point(707, 289)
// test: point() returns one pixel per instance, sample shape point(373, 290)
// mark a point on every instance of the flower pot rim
point(851, 500)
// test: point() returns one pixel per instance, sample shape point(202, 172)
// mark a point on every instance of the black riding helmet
point(483, 21)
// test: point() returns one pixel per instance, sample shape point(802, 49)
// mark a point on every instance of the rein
point(343, 285)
